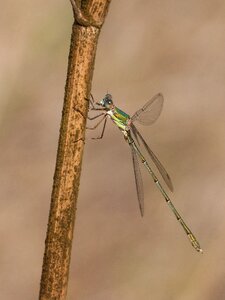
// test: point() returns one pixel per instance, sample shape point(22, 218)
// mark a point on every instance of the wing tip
point(169, 183)
point(141, 211)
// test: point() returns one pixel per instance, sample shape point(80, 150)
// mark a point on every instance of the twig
point(81, 18)
point(85, 33)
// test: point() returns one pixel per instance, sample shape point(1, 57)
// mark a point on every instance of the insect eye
point(109, 102)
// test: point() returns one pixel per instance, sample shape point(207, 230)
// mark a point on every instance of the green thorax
point(120, 117)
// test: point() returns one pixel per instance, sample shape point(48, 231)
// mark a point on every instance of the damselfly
point(147, 115)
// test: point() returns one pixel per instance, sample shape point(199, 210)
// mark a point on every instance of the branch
point(85, 33)
point(81, 19)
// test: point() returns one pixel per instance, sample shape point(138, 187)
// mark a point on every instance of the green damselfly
point(147, 115)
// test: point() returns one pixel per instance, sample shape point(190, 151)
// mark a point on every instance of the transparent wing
point(134, 133)
point(154, 158)
point(150, 112)
point(138, 181)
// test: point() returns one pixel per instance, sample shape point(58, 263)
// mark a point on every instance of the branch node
point(81, 19)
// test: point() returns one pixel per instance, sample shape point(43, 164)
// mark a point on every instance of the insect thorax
point(119, 117)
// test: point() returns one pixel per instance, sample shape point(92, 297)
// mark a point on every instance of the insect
point(147, 115)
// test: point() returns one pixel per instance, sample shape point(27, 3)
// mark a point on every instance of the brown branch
point(81, 19)
point(58, 242)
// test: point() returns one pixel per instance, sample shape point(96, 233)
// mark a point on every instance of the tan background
point(146, 47)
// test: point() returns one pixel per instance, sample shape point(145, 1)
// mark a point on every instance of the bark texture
point(55, 271)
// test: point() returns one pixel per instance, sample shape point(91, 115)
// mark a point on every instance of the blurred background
point(145, 47)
